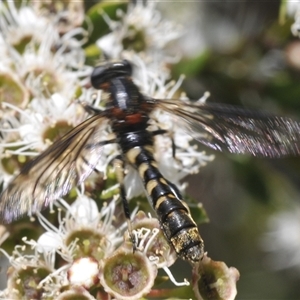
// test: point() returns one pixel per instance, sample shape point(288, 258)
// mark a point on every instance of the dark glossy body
point(129, 113)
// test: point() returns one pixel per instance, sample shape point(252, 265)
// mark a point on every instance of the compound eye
point(104, 73)
point(127, 67)
point(122, 68)
point(97, 76)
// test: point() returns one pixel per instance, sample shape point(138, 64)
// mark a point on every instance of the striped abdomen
point(172, 212)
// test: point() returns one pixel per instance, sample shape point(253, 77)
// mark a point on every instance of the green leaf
point(95, 15)
point(92, 52)
point(282, 12)
point(192, 66)
point(198, 212)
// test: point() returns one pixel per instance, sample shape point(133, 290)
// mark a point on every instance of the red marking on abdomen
point(133, 119)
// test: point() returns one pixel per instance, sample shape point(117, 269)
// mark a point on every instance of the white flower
point(141, 29)
point(282, 240)
point(30, 40)
point(17, 25)
point(213, 279)
point(33, 130)
point(293, 9)
point(82, 222)
point(28, 266)
point(41, 71)
point(84, 272)
point(83, 239)
point(65, 15)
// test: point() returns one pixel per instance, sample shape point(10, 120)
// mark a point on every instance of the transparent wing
point(237, 130)
point(67, 162)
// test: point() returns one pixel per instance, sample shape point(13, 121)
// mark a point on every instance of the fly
point(71, 159)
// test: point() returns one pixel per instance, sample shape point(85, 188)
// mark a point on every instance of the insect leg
point(159, 131)
point(118, 163)
point(102, 143)
point(162, 131)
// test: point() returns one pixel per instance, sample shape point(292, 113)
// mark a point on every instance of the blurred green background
point(242, 55)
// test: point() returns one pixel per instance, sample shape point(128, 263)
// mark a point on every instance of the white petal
point(85, 210)
point(49, 241)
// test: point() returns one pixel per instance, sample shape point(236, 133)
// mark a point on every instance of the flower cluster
point(44, 77)
point(41, 70)
point(92, 255)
